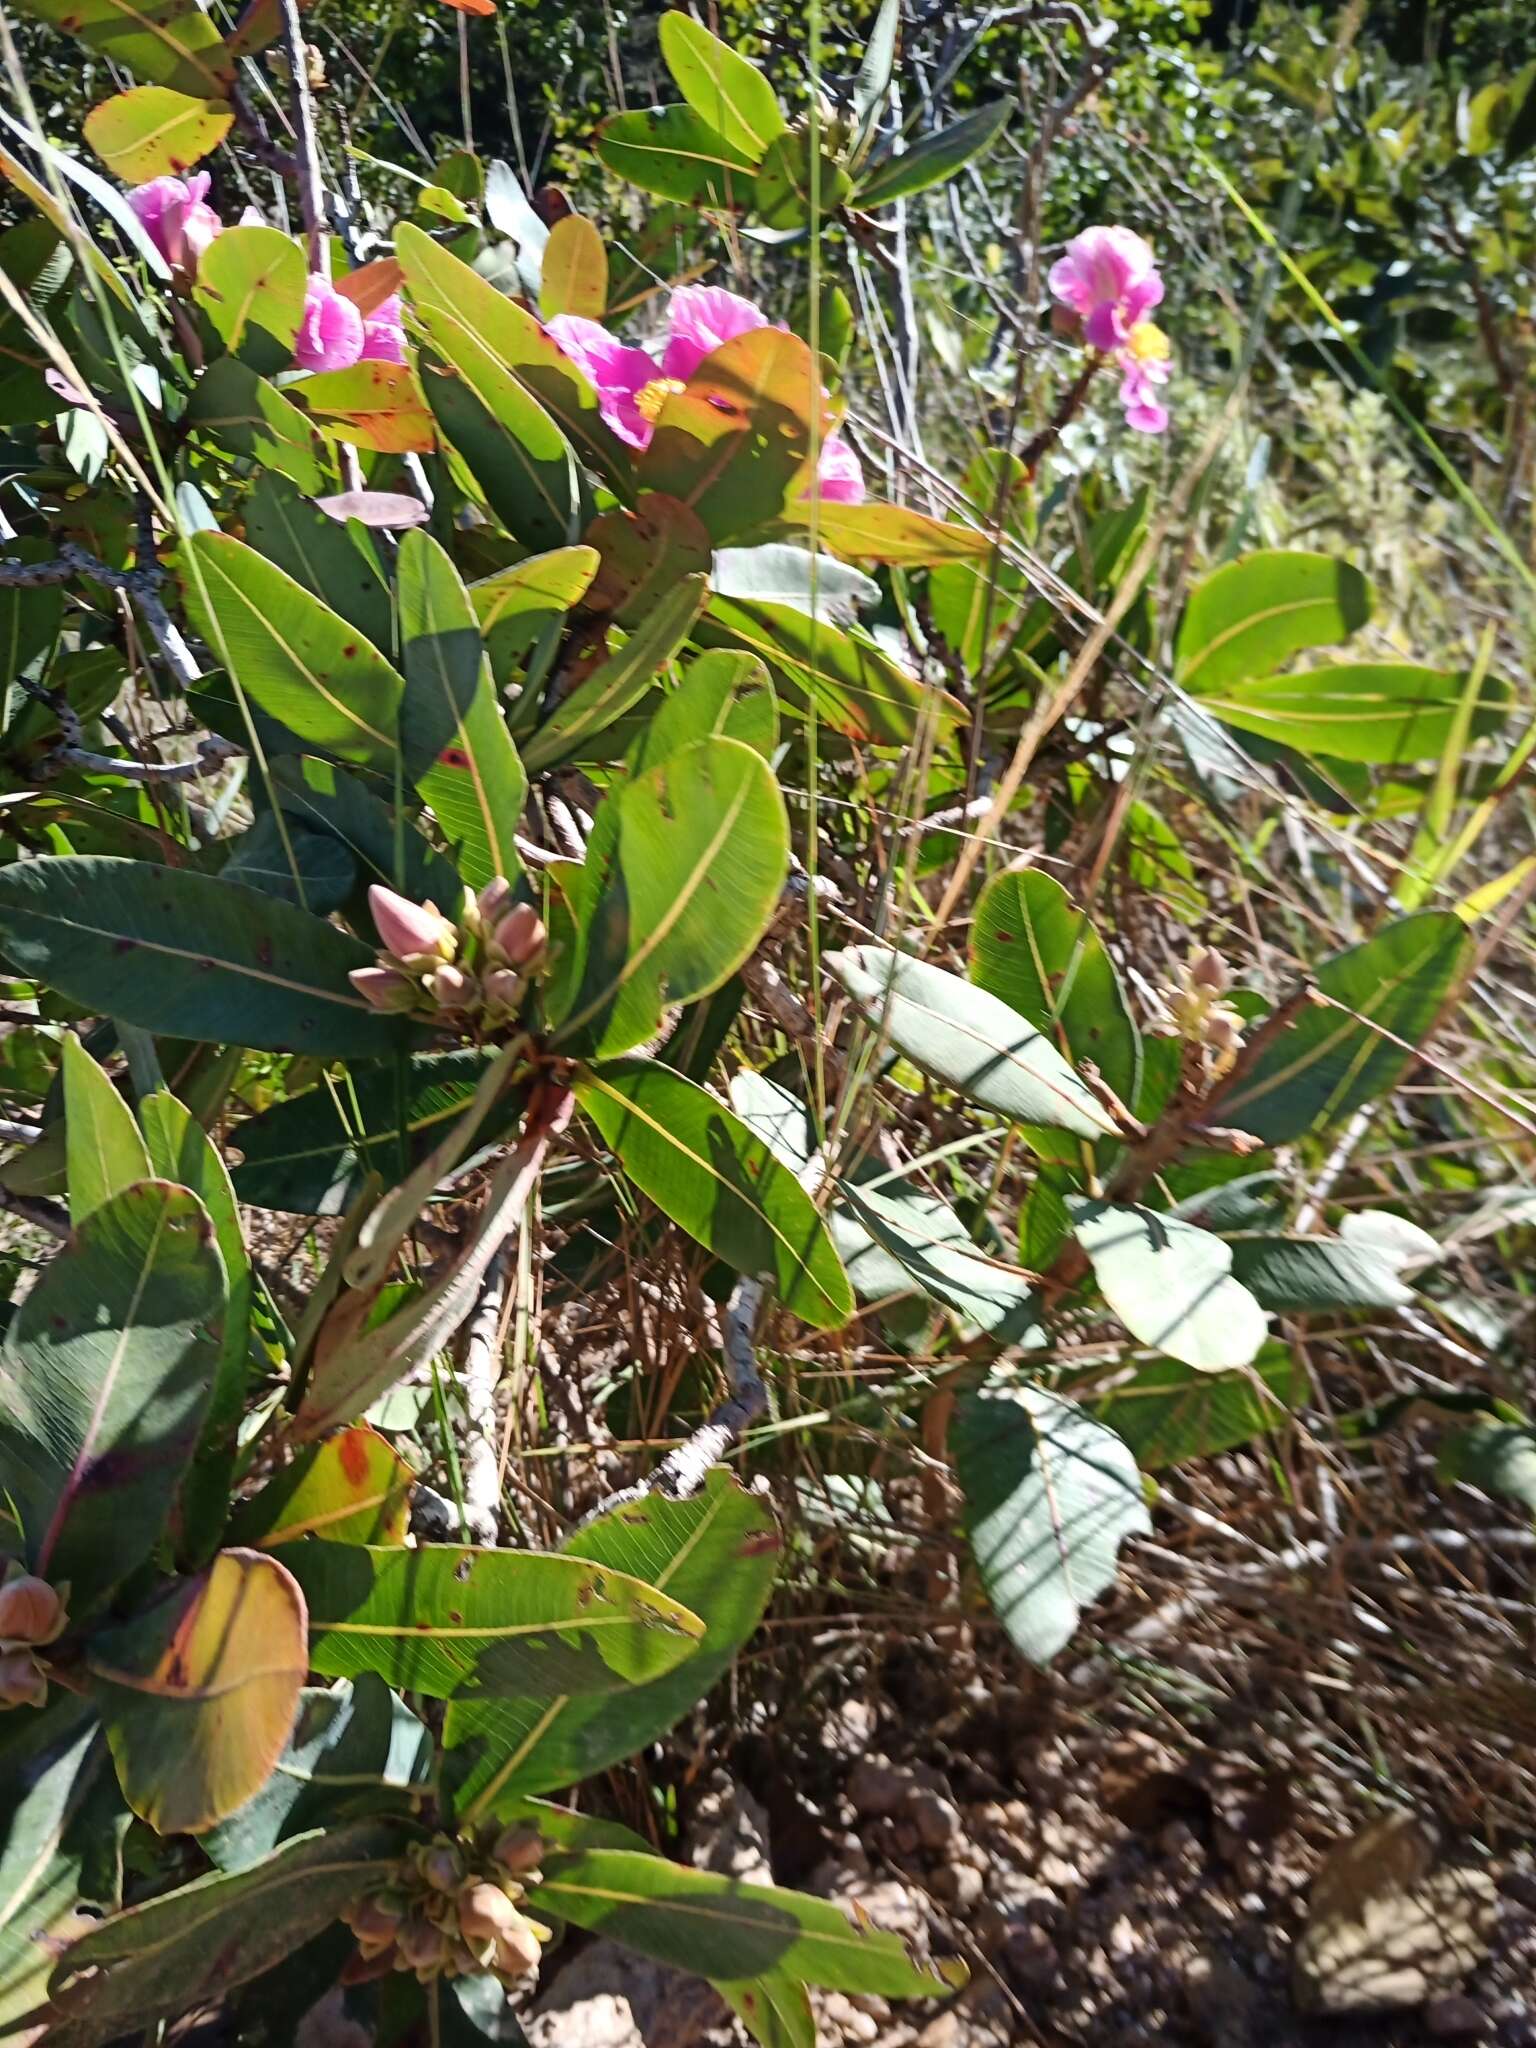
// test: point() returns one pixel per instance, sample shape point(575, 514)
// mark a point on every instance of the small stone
point(944, 2032)
point(936, 1819)
point(1029, 1956)
point(1178, 1839)
point(1454, 2018)
point(845, 2022)
point(877, 1788)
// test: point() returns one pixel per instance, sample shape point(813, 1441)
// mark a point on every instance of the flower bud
point(23, 1682)
point(421, 1944)
point(443, 1867)
point(452, 989)
point(485, 1913)
point(374, 1924)
point(493, 899)
point(517, 1950)
point(386, 988)
point(518, 1850)
point(503, 989)
point(520, 936)
point(1209, 971)
point(411, 931)
point(30, 1610)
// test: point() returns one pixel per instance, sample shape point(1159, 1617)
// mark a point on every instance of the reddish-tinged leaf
point(372, 405)
point(369, 286)
point(353, 1488)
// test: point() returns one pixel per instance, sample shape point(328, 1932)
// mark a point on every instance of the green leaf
point(246, 416)
point(936, 158)
point(250, 283)
point(152, 132)
point(1050, 1495)
point(198, 1694)
point(209, 959)
point(1363, 711)
point(774, 2009)
point(735, 441)
point(777, 573)
point(312, 1152)
point(1171, 1414)
point(29, 619)
point(672, 152)
point(512, 447)
point(456, 1623)
point(318, 795)
point(457, 747)
point(683, 873)
point(517, 606)
point(574, 278)
point(291, 654)
point(1497, 1457)
point(620, 681)
point(798, 180)
point(1521, 136)
point(717, 1553)
point(193, 1946)
point(288, 860)
point(703, 1167)
point(645, 551)
point(353, 1488)
point(715, 1926)
point(969, 1039)
point(724, 693)
point(104, 1383)
point(105, 1152)
point(167, 42)
point(1170, 1284)
point(1333, 1059)
point(1247, 618)
point(931, 1249)
point(1307, 1273)
point(371, 404)
point(722, 88)
point(1034, 948)
point(897, 535)
point(854, 687)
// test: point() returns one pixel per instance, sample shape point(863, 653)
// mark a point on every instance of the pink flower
point(1109, 278)
point(411, 931)
point(174, 213)
point(331, 332)
point(1144, 364)
point(384, 334)
point(632, 387)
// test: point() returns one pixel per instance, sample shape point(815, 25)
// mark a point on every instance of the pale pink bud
point(485, 1913)
point(517, 1950)
point(411, 931)
point(494, 898)
point(176, 216)
point(420, 1943)
point(503, 989)
point(452, 989)
point(1208, 970)
point(443, 1866)
point(386, 988)
point(22, 1680)
point(30, 1611)
point(518, 1850)
point(520, 937)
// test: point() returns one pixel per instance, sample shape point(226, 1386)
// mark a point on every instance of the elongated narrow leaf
point(936, 158)
point(188, 954)
point(198, 1694)
point(104, 1383)
point(620, 681)
point(353, 1488)
point(105, 1153)
point(717, 1553)
point(710, 1173)
point(193, 1946)
point(1170, 1284)
point(895, 534)
point(1302, 1273)
point(774, 2009)
point(1363, 711)
point(711, 1924)
point(912, 1238)
point(969, 1039)
point(456, 1623)
point(153, 132)
point(721, 87)
point(516, 606)
point(167, 42)
point(524, 463)
point(1050, 1495)
point(457, 747)
point(1334, 1059)
point(1032, 946)
point(242, 414)
point(250, 283)
point(1249, 617)
point(1171, 1414)
point(685, 868)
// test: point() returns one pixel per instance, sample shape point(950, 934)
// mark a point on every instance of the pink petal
point(383, 335)
point(1109, 278)
point(840, 474)
point(331, 332)
point(699, 318)
point(615, 372)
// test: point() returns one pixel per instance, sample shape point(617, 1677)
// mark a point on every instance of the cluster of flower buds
point(1194, 1010)
point(453, 1911)
point(473, 973)
point(32, 1614)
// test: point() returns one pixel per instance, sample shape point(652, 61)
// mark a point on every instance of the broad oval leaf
point(462, 1623)
point(934, 159)
point(1363, 711)
point(1050, 1495)
point(721, 87)
point(516, 606)
point(245, 415)
point(104, 1383)
point(167, 42)
point(1170, 1284)
point(1033, 947)
point(717, 1553)
point(353, 1488)
point(703, 1167)
point(1248, 617)
point(250, 283)
point(153, 132)
point(371, 404)
point(684, 870)
point(189, 955)
point(1308, 1273)
point(713, 1925)
point(895, 534)
point(1333, 1059)
point(672, 152)
point(291, 654)
point(971, 1040)
point(198, 1694)
point(574, 277)
point(104, 1152)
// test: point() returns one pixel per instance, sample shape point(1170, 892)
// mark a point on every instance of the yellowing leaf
point(153, 132)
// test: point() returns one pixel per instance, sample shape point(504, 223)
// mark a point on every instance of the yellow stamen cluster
point(1148, 343)
point(650, 398)
point(452, 1910)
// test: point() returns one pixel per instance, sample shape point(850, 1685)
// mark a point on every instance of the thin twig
point(480, 1378)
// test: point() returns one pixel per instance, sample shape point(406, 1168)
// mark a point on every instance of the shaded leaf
point(671, 152)
point(621, 680)
point(1170, 1414)
point(936, 158)
point(247, 416)
point(353, 1488)
point(1170, 1284)
point(1251, 615)
point(1363, 711)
